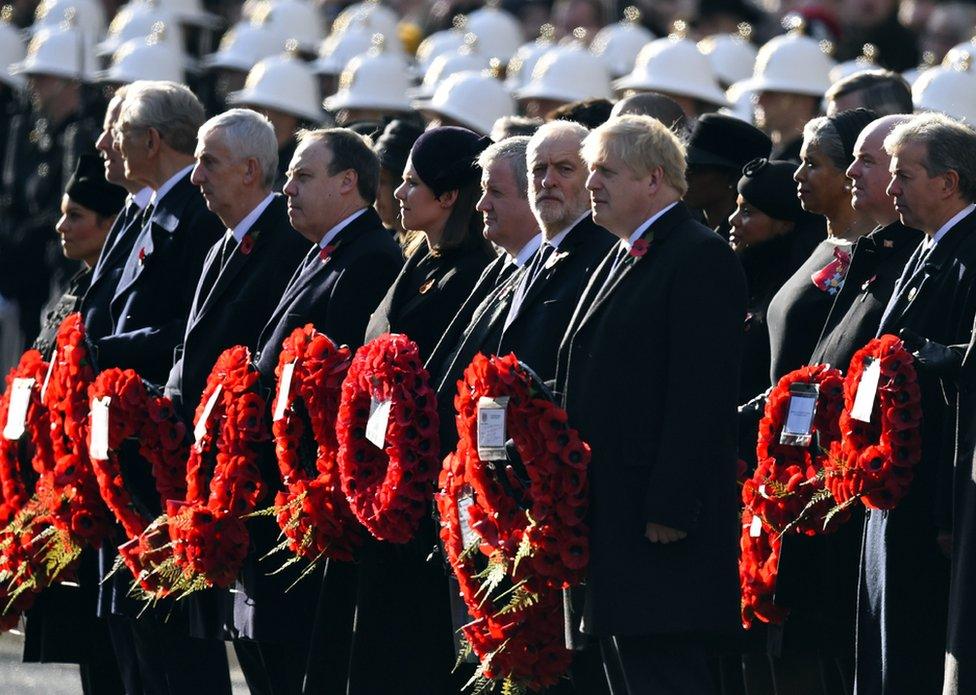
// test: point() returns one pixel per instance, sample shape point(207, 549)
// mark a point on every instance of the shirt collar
point(160, 192)
point(141, 198)
point(943, 230)
point(526, 252)
point(639, 232)
point(244, 226)
point(331, 234)
point(558, 239)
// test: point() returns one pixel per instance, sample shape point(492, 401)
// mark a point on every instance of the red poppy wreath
point(136, 414)
point(387, 401)
point(874, 460)
point(514, 531)
point(784, 495)
point(68, 491)
point(24, 451)
point(312, 509)
point(207, 534)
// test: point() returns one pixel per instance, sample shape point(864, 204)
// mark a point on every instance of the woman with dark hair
point(403, 629)
point(392, 148)
point(62, 627)
point(772, 235)
point(437, 199)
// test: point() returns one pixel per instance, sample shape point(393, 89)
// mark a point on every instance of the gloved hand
point(931, 357)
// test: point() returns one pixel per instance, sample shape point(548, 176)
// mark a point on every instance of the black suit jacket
point(336, 295)
point(492, 277)
point(232, 305)
point(157, 284)
point(95, 306)
point(427, 294)
point(900, 555)
point(649, 375)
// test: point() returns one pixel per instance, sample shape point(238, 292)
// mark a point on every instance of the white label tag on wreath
point(284, 388)
point(867, 391)
point(98, 449)
point(20, 393)
point(200, 431)
point(379, 417)
point(491, 428)
point(47, 376)
point(755, 528)
point(468, 535)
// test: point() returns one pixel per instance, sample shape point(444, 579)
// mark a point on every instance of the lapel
point(941, 256)
point(305, 274)
point(433, 277)
point(110, 252)
point(556, 260)
point(260, 234)
point(157, 233)
point(655, 235)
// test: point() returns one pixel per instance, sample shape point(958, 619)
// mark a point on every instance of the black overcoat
point(649, 370)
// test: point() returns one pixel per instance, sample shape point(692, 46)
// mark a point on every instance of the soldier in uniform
point(43, 146)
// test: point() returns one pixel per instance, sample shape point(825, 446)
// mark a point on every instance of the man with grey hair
point(155, 136)
point(901, 638)
point(645, 382)
point(509, 224)
point(243, 277)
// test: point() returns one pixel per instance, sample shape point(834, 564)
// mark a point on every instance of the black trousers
point(160, 658)
point(656, 666)
point(272, 668)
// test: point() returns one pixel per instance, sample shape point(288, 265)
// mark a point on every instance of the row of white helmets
point(145, 41)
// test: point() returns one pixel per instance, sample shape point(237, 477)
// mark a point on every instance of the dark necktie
point(226, 249)
point(147, 215)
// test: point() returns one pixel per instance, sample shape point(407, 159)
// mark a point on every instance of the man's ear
point(950, 183)
point(350, 181)
point(154, 141)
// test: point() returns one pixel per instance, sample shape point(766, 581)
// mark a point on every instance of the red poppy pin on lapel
point(247, 245)
point(142, 255)
point(638, 248)
point(326, 252)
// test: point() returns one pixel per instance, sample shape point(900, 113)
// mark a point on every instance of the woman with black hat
point(403, 629)
point(62, 627)
point(772, 235)
point(392, 148)
point(437, 198)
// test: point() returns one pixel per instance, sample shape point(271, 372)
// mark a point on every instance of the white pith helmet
point(137, 20)
point(440, 42)
point(467, 58)
point(674, 65)
point(60, 52)
point(12, 50)
point(567, 73)
point(794, 64)
point(145, 58)
point(949, 90)
point(191, 12)
point(87, 16)
point(732, 56)
point(356, 38)
point(380, 19)
point(866, 61)
point(378, 79)
point(242, 47)
point(283, 83)
point(520, 67)
point(498, 32)
point(475, 99)
point(618, 44)
point(291, 19)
